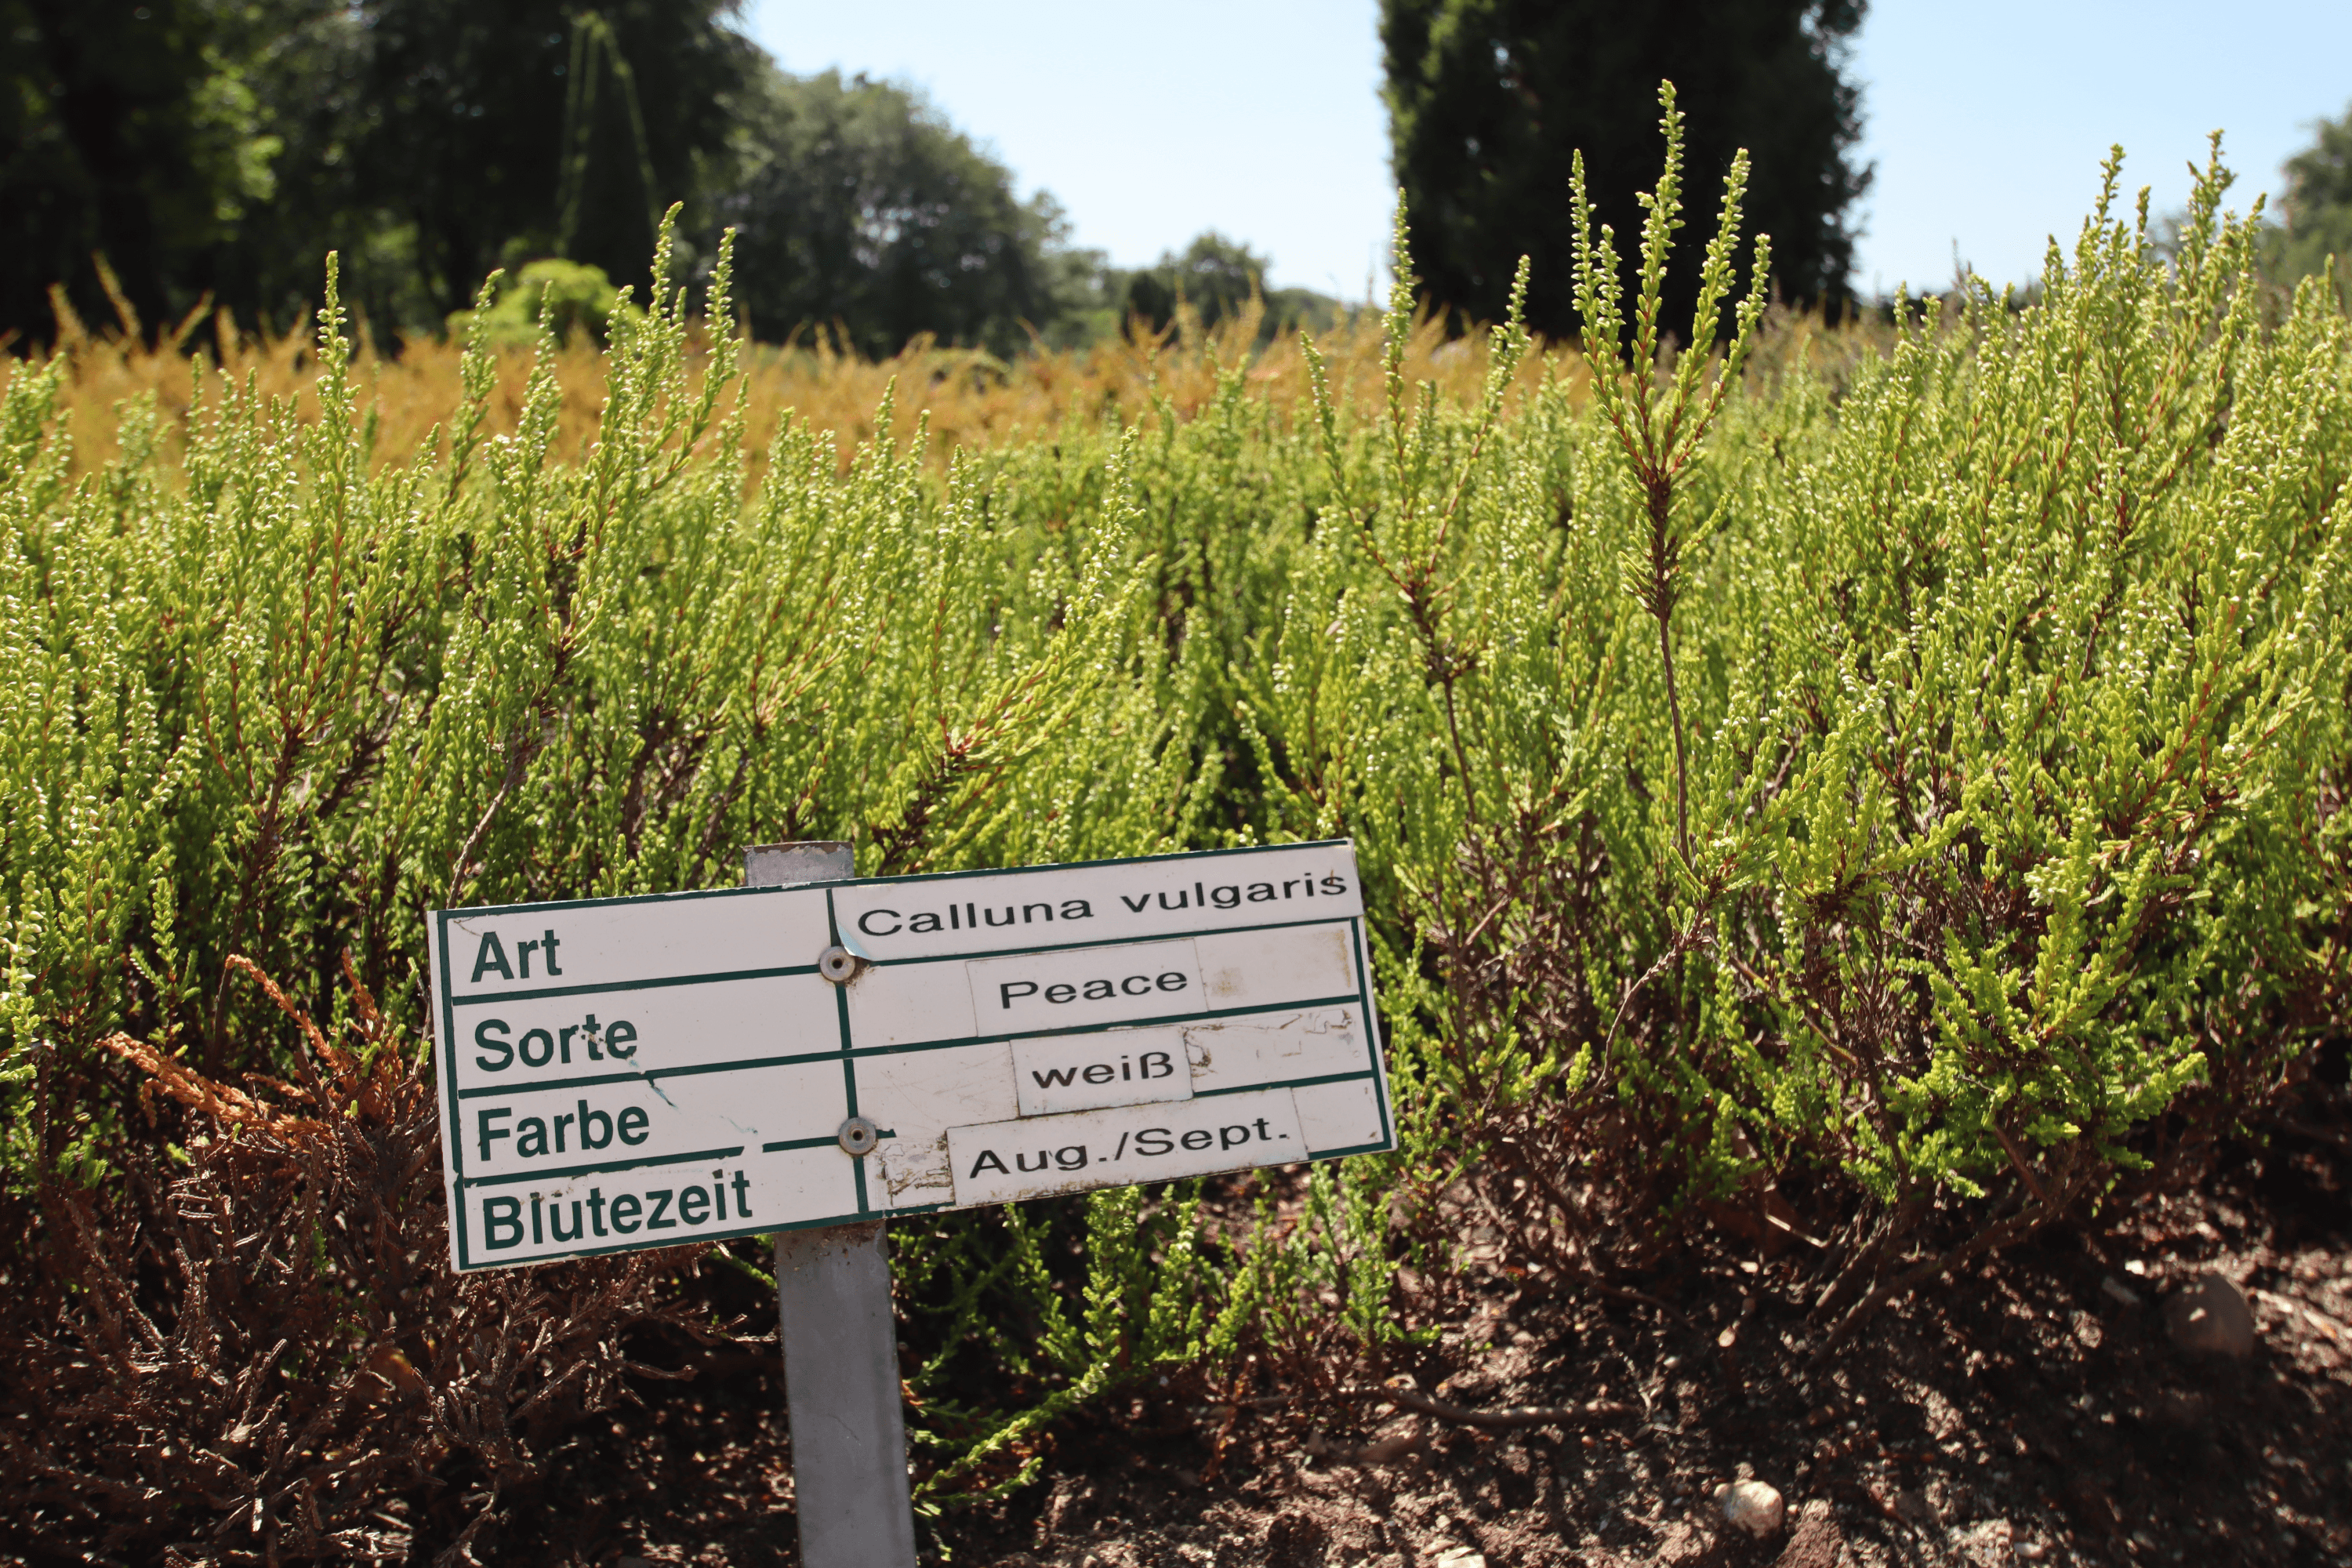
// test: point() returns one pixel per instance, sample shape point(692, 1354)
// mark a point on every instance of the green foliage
point(1961, 855)
point(1067, 1301)
point(1490, 101)
point(563, 296)
point(334, 696)
point(1659, 427)
point(2318, 207)
point(129, 130)
point(417, 137)
point(208, 152)
point(1923, 777)
point(862, 210)
point(572, 129)
point(1217, 277)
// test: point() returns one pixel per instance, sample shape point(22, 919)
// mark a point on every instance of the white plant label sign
point(628, 1073)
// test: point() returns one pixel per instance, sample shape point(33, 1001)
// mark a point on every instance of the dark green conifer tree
point(1490, 100)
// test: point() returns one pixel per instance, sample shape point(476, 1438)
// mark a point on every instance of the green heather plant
point(1887, 786)
point(1927, 788)
point(268, 702)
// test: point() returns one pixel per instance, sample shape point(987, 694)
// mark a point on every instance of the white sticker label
point(606, 1125)
point(505, 1044)
point(1119, 900)
point(1040, 1155)
point(510, 1221)
point(1074, 987)
point(535, 948)
point(1085, 1072)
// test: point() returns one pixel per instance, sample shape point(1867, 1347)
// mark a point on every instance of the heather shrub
point(247, 1351)
point(1926, 792)
point(562, 297)
point(1872, 791)
point(270, 700)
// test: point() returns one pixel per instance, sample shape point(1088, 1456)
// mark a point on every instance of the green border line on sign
point(511, 1177)
point(847, 1053)
point(723, 977)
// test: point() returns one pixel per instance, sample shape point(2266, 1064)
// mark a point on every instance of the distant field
point(957, 397)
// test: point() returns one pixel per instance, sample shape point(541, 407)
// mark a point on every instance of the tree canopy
point(120, 136)
point(1489, 100)
point(602, 118)
point(860, 209)
point(2318, 206)
point(157, 156)
point(1217, 277)
point(221, 147)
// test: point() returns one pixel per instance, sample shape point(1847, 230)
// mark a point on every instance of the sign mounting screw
point(838, 965)
point(858, 1136)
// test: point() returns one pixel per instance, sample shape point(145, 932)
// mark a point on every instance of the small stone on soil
point(1752, 1505)
point(2211, 1317)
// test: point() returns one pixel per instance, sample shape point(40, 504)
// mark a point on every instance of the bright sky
point(1263, 121)
point(1987, 121)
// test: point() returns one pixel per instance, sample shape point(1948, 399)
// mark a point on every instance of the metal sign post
point(842, 1382)
point(812, 1053)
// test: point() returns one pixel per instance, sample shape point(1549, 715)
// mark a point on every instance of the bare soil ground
point(2034, 1410)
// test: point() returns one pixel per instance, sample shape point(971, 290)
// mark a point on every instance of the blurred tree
point(1489, 100)
point(474, 132)
point(1217, 276)
point(2317, 206)
point(126, 130)
point(306, 63)
point(862, 210)
point(566, 297)
point(224, 146)
point(220, 148)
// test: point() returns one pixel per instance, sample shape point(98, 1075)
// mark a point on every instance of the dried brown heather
point(262, 1353)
